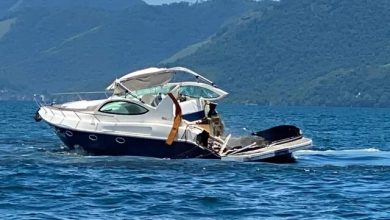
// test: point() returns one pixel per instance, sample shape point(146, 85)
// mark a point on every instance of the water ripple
point(345, 176)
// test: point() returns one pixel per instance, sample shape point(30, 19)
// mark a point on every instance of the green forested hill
point(51, 46)
point(323, 52)
point(288, 52)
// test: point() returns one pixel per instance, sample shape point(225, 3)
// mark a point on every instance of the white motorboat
point(156, 112)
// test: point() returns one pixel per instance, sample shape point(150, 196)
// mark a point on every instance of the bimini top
point(150, 77)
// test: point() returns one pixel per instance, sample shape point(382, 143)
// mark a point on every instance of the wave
point(345, 157)
point(318, 156)
point(329, 151)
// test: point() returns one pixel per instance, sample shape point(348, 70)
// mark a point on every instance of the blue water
point(345, 176)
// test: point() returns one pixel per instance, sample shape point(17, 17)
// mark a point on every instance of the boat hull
point(107, 144)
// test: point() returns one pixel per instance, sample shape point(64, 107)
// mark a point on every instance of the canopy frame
point(142, 76)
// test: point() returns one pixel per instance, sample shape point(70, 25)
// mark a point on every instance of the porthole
point(92, 137)
point(120, 140)
point(69, 133)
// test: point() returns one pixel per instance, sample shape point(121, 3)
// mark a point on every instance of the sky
point(159, 2)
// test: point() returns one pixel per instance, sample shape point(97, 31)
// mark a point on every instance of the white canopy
point(149, 77)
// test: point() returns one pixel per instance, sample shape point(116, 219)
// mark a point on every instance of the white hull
point(161, 119)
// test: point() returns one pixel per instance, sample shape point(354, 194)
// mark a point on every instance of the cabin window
point(197, 92)
point(123, 108)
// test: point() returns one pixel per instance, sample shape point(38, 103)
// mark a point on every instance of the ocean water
point(345, 176)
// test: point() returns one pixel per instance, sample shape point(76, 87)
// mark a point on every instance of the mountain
point(323, 52)
point(55, 46)
point(18, 5)
point(307, 52)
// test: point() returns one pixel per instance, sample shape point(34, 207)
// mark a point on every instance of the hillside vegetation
point(324, 52)
point(57, 46)
point(288, 52)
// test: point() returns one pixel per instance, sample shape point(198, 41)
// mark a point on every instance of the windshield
point(197, 92)
point(164, 89)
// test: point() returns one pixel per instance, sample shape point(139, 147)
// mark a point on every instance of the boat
point(163, 113)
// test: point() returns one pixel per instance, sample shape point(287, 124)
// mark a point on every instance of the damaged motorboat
point(156, 112)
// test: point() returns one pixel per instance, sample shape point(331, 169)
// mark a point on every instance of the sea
point(346, 175)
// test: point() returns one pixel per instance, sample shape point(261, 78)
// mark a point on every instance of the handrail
point(52, 98)
point(80, 112)
point(76, 93)
point(36, 101)
point(56, 111)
